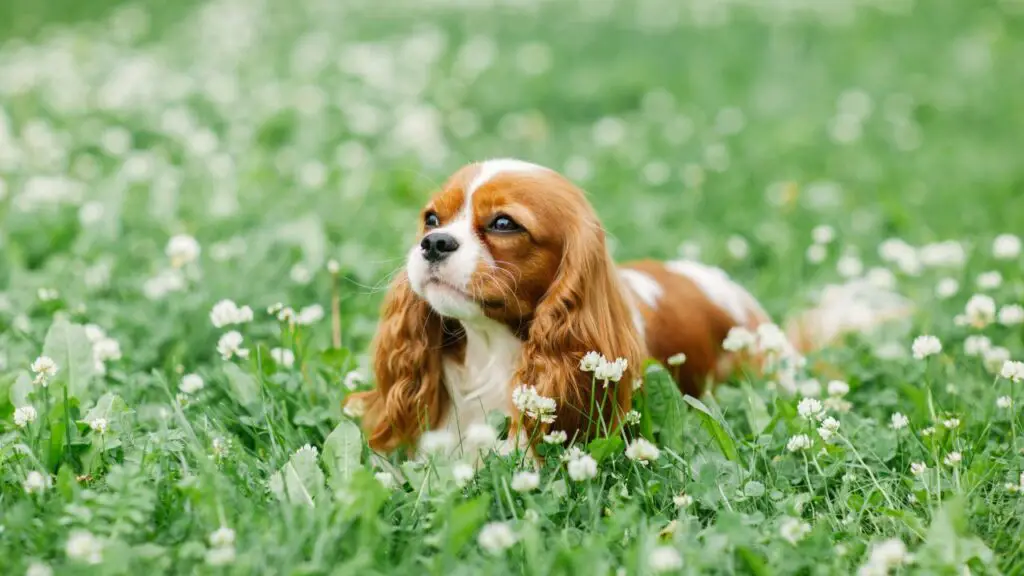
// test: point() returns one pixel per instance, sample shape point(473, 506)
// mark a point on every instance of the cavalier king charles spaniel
point(510, 284)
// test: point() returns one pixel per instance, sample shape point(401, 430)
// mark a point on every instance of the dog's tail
point(855, 307)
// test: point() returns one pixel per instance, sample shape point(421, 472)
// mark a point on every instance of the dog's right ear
point(410, 396)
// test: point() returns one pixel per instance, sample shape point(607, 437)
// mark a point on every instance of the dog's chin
point(449, 301)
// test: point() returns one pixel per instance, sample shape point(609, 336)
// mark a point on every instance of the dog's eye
point(431, 220)
point(502, 223)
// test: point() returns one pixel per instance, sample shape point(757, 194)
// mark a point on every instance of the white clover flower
point(642, 451)
point(881, 278)
point(810, 387)
point(1011, 315)
point(434, 441)
point(556, 437)
point(948, 254)
point(47, 294)
point(35, 483)
point(582, 468)
point(45, 369)
point(1006, 247)
point(664, 559)
point(798, 443)
point(83, 547)
point(530, 403)
point(39, 569)
point(227, 313)
point(676, 359)
point(1013, 371)
point(925, 346)
point(947, 288)
point(849, 266)
point(353, 380)
point(191, 383)
point(885, 556)
point(995, 358)
point(591, 360)
point(810, 409)
point(976, 345)
point(609, 371)
point(99, 425)
point(838, 404)
point(220, 556)
point(770, 338)
point(989, 280)
point(633, 417)
point(838, 388)
point(525, 481)
point(386, 479)
point(823, 234)
point(951, 423)
point(899, 421)
point(928, 431)
point(165, 282)
point(793, 530)
point(222, 537)
point(220, 447)
point(953, 459)
point(230, 346)
point(333, 267)
point(739, 339)
point(182, 250)
point(682, 500)
point(829, 427)
point(918, 468)
point(310, 315)
point(816, 253)
point(480, 436)
point(496, 537)
point(300, 274)
point(354, 408)
point(463, 474)
point(1004, 402)
point(24, 415)
point(638, 383)
point(980, 311)
point(737, 247)
point(283, 357)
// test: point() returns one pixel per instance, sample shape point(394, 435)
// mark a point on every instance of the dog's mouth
point(437, 282)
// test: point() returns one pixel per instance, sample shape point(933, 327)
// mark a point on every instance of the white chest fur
point(482, 382)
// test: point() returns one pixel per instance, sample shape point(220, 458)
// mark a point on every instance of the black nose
point(438, 246)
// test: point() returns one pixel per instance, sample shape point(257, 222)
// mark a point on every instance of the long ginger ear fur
point(584, 310)
point(410, 396)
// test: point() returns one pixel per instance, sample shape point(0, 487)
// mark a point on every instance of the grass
point(285, 135)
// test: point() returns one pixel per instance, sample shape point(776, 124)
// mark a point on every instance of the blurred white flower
point(24, 415)
point(530, 403)
point(642, 451)
point(771, 339)
point(829, 427)
point(1004, 402)
point(664, 559)
point(83, 547)
point(793, 530)
point(918, 468)
point(38, 568)
point(739, 339)
point(463, 474)
point(222, 537)
point(1006, 247)
point(994, 358)
point(182, 250)
point(884, 557)
point(925, 346)
point(682, 500)
point(220, 556)
point(811, 387)
point(556, 437)
point(1011, 315)
point(230, 346)
point(823, 234)
point(810, 409)
point(881, 277)
point(1013, 371)
point(386, 479)
point(300, 274)
point(816, 253)
point(951, 423)
point(525, 481)
point(35, 483)
point(437, 441)
point(849, 266)
point(165, 282)
point(989, 280)
point(928, 431)
point(191, 383)
point(283, 357)
point(353, 380)
point(737, 247)
point(976, 345)
point(582, 467)
point(220, 447)
point(947, 288)
point(310, 315)
point(838, 388)
point(496, 537)
point(45, 369)
point(227, 313)
point(798, 443)
point(979, 312)
point(480, 436)
point(99, 425)
point(953, 459)
point(633, 417)
point(947, 254)
point(676, 359)
point(899, 421)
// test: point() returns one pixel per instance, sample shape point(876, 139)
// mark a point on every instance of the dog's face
point(491, 241)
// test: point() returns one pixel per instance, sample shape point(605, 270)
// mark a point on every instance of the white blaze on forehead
point(716, 285)
point(491, 168)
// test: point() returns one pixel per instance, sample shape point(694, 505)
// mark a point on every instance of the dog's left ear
point(584, 310)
